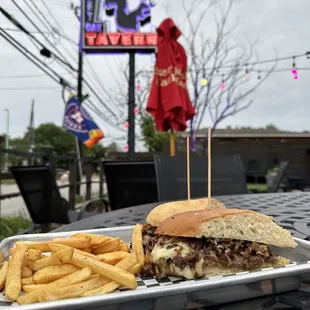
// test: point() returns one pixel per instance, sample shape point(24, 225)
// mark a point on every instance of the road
point(16, 206)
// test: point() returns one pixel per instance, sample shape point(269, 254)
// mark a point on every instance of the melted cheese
point(162, 252)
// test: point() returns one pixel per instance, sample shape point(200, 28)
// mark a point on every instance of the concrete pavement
point(16, 206)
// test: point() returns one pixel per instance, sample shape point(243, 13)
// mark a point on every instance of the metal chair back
point(274, 187)
point(39, 190)
point(130, 183)
point(228, 177)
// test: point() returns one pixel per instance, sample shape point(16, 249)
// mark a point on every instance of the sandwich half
point(164, 211)
point(213, 242)
point(161, 213)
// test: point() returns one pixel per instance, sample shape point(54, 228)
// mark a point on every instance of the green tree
point(57, 137)
point(152, 139)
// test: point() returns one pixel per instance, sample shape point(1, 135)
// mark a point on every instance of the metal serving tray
point(175, 293)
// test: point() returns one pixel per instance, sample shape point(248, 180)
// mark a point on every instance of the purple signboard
point(117, 26)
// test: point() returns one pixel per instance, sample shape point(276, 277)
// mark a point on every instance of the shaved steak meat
point(206, 252)
point(149, 240)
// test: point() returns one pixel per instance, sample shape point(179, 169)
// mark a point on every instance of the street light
point(6, 162)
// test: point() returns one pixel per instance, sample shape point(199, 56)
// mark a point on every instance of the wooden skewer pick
point(188, 170)
point(209, 166)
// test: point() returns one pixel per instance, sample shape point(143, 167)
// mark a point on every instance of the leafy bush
point(10, 226)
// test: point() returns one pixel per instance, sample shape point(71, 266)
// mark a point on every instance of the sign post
point(112, 26)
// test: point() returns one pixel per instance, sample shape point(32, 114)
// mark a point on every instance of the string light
point(136, 110)
point(294, 70)
point(223, 85)
point(138, 86)
point(126, 125)
point(204, 82)
point(258, 76)
point(126, 147)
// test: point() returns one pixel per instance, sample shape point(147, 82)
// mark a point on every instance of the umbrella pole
point(172, 143)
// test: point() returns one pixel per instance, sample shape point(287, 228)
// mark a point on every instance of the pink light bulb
point(136, 110)
point(296, 77)
point(126, 125)
point(294, 71)
point(138, 87)
point(126, 147)
point(223, 86)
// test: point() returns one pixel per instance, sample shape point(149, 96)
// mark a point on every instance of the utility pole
point(80, 97)
point(131, 107)
point(31, 133)
point(77, 142)
point(6, 160)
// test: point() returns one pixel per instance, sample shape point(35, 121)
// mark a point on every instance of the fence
point(69, 162)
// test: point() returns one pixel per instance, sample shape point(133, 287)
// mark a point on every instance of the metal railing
point(48, 156)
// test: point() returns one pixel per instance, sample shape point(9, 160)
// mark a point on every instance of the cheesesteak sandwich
point(213, 242)
point(161, 213)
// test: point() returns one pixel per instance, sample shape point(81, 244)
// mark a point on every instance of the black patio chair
point(277, 182)
point(130, 183)
point(228, 177)
point(38, 187)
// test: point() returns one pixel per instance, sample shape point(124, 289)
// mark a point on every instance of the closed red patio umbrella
point(168, 100)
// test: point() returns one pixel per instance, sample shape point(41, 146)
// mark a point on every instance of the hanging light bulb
point(136, 110)
point(223, 85)
point(258, 76)
point(204, 82)
point(296, 77)
point(126, 147)
point(138, 86)
point(126, 125)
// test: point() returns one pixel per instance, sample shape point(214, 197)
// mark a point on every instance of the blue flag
point(81, 124)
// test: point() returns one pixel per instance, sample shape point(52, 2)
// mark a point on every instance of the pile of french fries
point(80, 266)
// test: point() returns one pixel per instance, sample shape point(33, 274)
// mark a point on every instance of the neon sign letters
point(112, 25)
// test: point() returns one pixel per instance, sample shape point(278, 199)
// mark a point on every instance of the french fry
point(3, 273)
point(112, 285)
point(109, 246)
point(72, 291)
point(87, 250)
point(41, 246)
point(28, 288)
point(124, 247)
point(52, 273)
point(26, 271)
point(59, 258)
point(96, 240)
point(113, 257)
point(58, 247)
point(77, 243)
point(137, 245)
point(27, 281)
point(33, 255)
point(13, 279)
point(76, 277)
point(108, 271)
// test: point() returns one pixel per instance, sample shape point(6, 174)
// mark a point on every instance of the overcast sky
point(281, 25)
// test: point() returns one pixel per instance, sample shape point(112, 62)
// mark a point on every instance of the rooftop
point(247, 132)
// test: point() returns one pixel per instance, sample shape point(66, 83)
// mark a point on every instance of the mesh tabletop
point(290, 210)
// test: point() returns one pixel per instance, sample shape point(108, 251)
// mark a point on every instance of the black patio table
point(290, 210)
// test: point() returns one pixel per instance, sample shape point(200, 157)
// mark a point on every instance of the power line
point(85, 81)
point(17, 24)
point(30, 88)
point(39, 63)
point(22, 76)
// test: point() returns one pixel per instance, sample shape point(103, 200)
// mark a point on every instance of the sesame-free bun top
point(165, 210)
point(229, 224)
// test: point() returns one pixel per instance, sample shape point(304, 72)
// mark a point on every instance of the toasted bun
point(172, 270)
point(165, 210)
point(229, 224)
